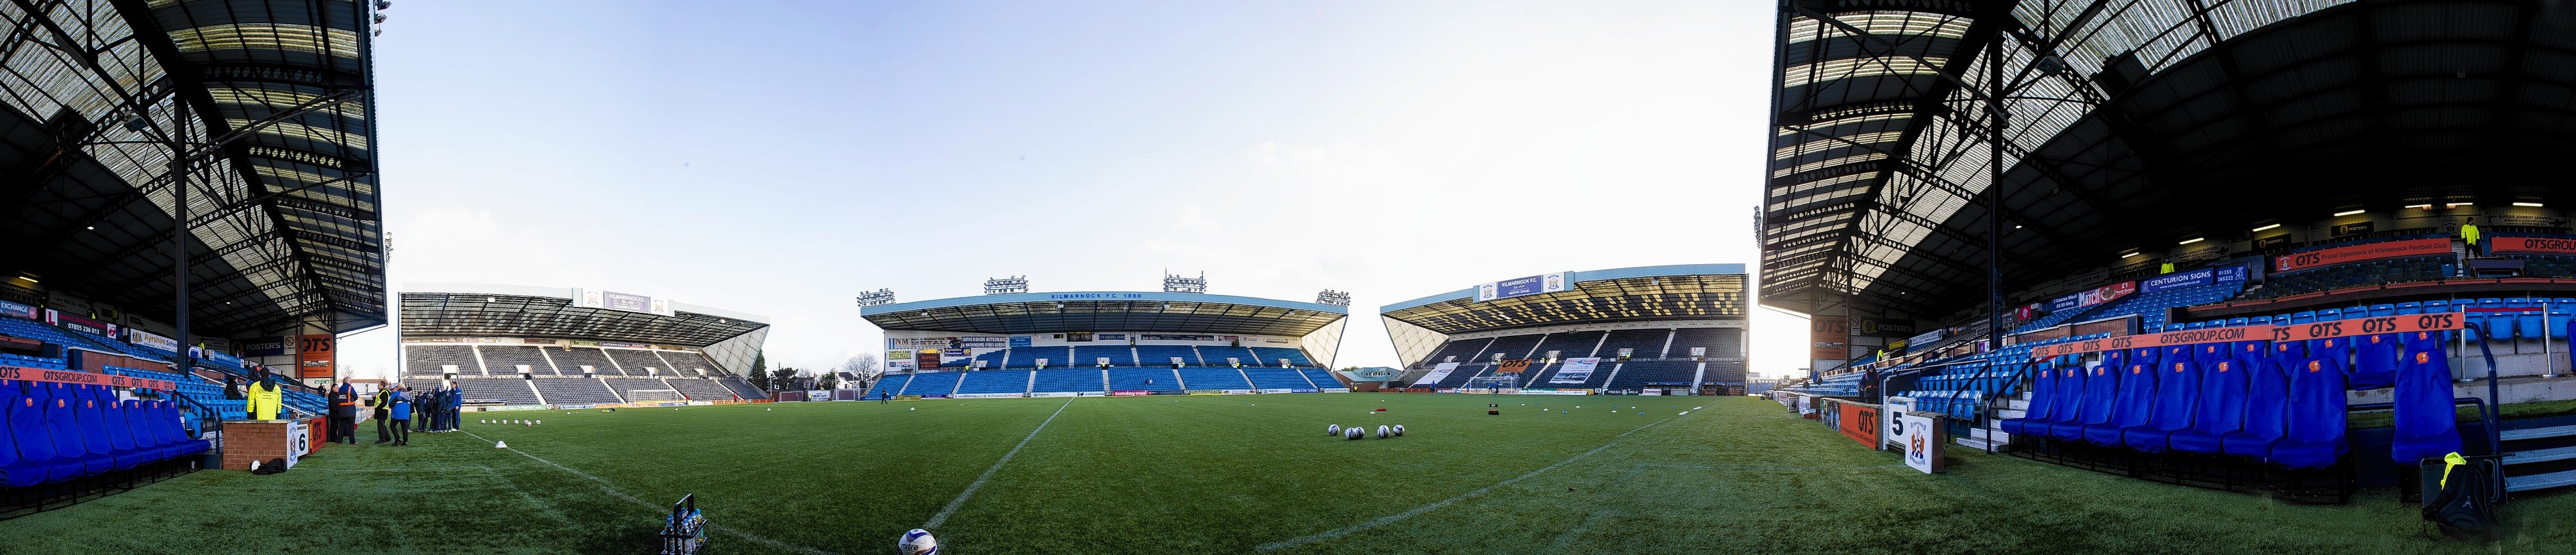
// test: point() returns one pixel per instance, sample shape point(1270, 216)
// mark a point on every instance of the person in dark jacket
point(402, 418)
point(384, 404)
point(232, 389)
point(419, 400)
point(455, 408)
point(344, 413)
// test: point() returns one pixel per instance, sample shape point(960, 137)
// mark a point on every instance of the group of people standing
point(399, 412)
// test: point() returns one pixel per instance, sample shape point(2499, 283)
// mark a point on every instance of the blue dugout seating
point(59, 432)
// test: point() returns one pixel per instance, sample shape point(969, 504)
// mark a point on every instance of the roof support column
point(179, 237)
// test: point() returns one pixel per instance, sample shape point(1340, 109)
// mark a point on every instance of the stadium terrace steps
point(571, 359)
point(701, 389)
point(504, 391)
point(1090, 355)
point(1275, 378)
point(743, 388)
point(504, 360)
point(1161, 355)
point(1213, 378)
point(575, 391)
point(433, 359)
point(1068, 380)
point(1647, 343)
point(931, 383)
point(1270, 356)
point(1123, 379)
point(993, 381)
point(636, 362)
point(1320, 378)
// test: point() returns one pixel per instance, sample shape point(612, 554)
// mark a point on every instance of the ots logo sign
point(2422, 357)
point(2222, 367)
point(2177, 367)
point(2315, 365)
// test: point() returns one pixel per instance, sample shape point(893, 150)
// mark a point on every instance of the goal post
point(651, 395)
point(1508, 383)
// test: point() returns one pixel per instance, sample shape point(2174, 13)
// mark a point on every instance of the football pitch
point(1212, 474)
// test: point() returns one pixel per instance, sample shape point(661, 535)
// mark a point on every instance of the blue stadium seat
point(2383, 310)
point(2173, 406)
point(2329, 315)
point(2312, 433)
point(65, 428)
point(2043, 397)
point(2101, 384)
point(33, 462)
point(120, 436)
point(2267, 397)
point(2261, 321)
point(2221, 410)
point(2426, 425)
point(2239, 321)
point(2303, 317)
point(2410, 308)
point(2556, 321)
point(2133, 404)
point(188, 444)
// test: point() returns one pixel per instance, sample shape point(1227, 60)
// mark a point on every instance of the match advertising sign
point(2092, 297)
point(1438, 373)
point(17, 310)
point(1513, 366)
point(926, 359)
point(2533, 245)
point(313, 355)
point(149, 339)
point(1857, 421)
point(1542, 283)
point(81, 378)
point(2193, 278)
point(1575, 370)
point(2360, 253)
point(2294, 332)
point(1830, 337)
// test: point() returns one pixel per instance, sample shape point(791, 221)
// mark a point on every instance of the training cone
point(500, 445)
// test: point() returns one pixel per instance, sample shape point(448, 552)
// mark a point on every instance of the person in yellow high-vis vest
point(265, 397)
point(2469, 234)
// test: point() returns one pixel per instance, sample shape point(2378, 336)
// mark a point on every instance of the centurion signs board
point(1533, 285)
point(2194, 278)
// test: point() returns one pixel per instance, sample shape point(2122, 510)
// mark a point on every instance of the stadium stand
point(504, 391)
point(504, 360)
point(1162, 355)
point(635, 363)
point(1644, 343)
point(570, 360)
point(1320, 377)
point(993, 381)
point(1270, 356)
point(892, 383)
point(576, 391)
point(1068, 380)
point(932, 383)
point(1056, 356)
point(430, 360)
point(1089, 355)
point(1271, 378)
point(1123, 379)
point(1213, 378)
point(702, 389)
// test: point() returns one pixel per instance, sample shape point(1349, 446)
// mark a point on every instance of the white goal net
point(651, 395)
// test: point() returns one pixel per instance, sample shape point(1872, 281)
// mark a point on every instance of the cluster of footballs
point(1356, 431)
point(514, 421)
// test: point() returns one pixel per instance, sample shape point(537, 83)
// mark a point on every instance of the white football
point(918, 542)
point(1351, 432)
point(1333, 430)
point(1382, 431)
point(1399, 429)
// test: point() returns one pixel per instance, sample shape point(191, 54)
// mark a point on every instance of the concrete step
point(2539, 433)
point(2010, 414)
point(1997, 436)
point(2540, 481)
point(1974, 443)
point(2020, 404)
point(2540, 455)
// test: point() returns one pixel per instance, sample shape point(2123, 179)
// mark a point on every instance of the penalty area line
point(960, 501)
point(1436, 505)
point(604, 485)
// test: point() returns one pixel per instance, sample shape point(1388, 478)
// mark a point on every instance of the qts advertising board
point(313, 356)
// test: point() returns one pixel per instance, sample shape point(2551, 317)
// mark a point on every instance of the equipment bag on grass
point(2461, 505)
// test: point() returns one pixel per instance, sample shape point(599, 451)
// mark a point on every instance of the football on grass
point(918, 542)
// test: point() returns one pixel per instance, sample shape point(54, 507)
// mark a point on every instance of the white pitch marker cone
point(500, 445)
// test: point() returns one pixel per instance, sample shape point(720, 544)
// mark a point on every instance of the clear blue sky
point(779, 158)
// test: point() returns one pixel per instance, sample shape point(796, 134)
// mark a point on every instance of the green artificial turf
point(1216, 474)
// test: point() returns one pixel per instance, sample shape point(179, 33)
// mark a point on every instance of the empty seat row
point(2280, 403)
point(60, 432)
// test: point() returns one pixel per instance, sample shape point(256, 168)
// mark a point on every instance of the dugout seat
point(2312, 433)
point(2426, 422)
point(65, 429)
point(2221, 409)
point(2132, 404)
point(138, 422)
point(2374, 361)
point(120, 436)
point(30, 459)
point(2092, 407)
point(2177, 389)
point(94, 433)
point(2043, 396)
point(2267, 395)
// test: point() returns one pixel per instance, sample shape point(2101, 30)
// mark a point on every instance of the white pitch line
point(960, 501)
point(1436, 505)
point(609, 487)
